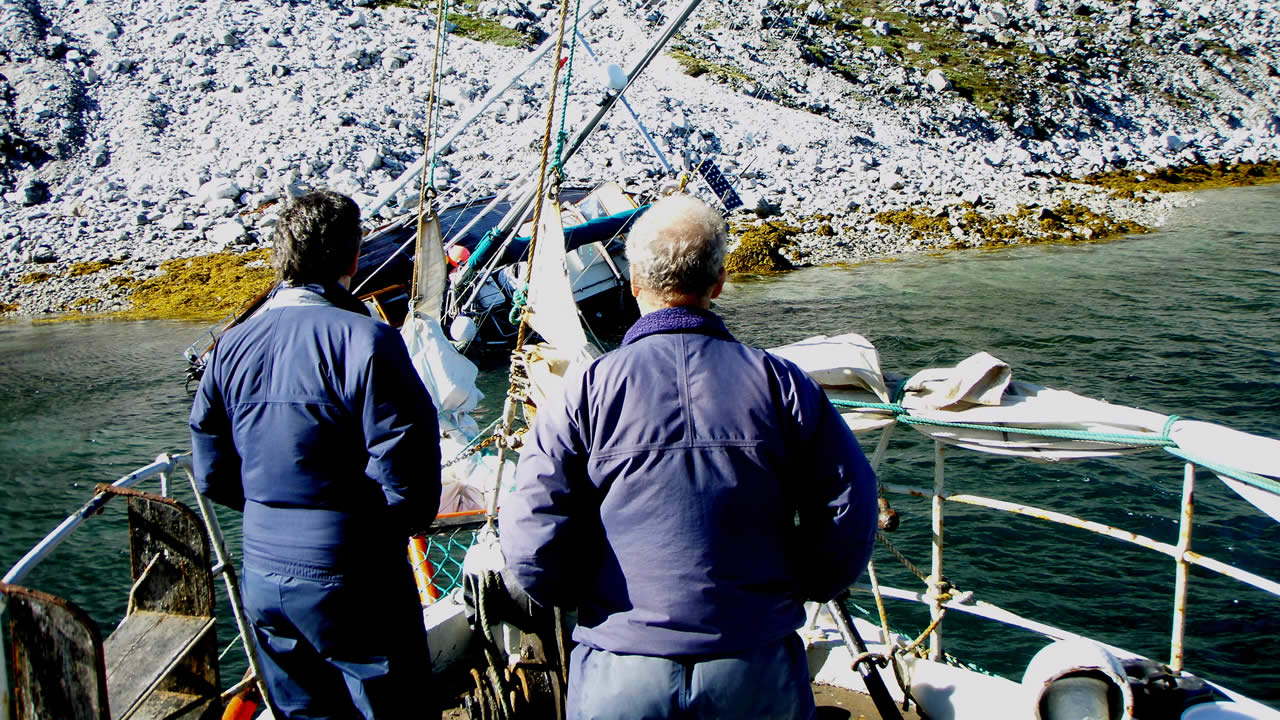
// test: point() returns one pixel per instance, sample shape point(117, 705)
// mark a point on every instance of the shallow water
point(1184, 321)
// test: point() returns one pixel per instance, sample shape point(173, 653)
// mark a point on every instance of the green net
point(441, 562)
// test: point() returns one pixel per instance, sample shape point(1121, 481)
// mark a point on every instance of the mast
point(394, 186)
point(509, 222)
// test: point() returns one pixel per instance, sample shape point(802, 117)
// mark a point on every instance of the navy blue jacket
point(312, 420)
point(661, 499)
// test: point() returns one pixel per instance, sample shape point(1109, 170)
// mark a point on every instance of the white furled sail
point(552, 311)
point(1227, 449)
point(429, 267)
point(848, 368)
point(1040, 423)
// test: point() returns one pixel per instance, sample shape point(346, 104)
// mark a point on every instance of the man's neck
point(651, 302)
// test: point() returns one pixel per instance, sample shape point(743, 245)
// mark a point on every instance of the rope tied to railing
point(903, 415)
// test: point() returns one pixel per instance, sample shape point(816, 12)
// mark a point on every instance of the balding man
point(688, 495)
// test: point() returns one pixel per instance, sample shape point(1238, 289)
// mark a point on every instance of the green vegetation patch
point(1124, 183)
point(8, 307)
point(469, 25)
point(1070, 222)
point(88, 268)
point(36, 277)
point(694, 66)
point(209, 287)
point(1073, 222)
point(486, 30)
point(759, 247)
point(990, 74)
point(916, 223)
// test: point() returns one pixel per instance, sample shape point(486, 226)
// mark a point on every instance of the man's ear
point(719, 286)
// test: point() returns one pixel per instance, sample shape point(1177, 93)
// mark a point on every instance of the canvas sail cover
point(978, 406)
point(430, 268)
point(848, 368)
point(552, 311)
point(1239, 451)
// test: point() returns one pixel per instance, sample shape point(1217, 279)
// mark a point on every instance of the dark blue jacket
point(662, 497)
point(312, 420)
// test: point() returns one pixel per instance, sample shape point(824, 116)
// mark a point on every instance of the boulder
point(217, 189)
point(223, 235)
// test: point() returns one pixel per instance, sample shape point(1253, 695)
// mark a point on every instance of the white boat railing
point(163, 466)
point(939, 597)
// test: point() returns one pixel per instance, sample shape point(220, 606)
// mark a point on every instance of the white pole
point(644, 132)
point(1183, 574)
point(935, 579)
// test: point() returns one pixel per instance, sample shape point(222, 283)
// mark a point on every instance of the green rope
point(1244, 476)
point(518, 301)
point(562, 136)
point(894, 408)
point(479, 438)
point(1114, 438)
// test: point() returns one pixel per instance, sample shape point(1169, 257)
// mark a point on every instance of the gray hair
point(678, 247)
point(316, 238)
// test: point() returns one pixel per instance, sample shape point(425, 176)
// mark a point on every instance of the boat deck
point(834, 703)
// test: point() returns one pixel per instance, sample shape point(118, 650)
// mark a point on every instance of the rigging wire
point(427, 182)
point(546, 149)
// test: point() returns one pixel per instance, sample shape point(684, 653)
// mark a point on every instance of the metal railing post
point(232, 582)
point(935, 577)
point(1178, 634)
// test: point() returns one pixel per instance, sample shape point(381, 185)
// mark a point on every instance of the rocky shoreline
point(136, 134)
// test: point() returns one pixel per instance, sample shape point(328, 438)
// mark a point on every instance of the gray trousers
point(766, 683)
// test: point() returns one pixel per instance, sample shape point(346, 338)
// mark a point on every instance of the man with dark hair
point(311, 420)
point(687, 496)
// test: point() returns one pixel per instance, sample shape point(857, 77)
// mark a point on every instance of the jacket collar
point(327, 293)
point(677, 320)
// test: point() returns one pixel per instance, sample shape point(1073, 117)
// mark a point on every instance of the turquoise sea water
point(1185, 321)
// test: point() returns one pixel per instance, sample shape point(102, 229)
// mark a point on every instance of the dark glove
point(498, 597)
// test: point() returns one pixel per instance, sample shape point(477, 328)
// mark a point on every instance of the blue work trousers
point(766, 683)
point(342, 650)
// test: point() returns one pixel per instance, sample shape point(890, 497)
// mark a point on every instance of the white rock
point(217, 189)
point(998, 14)
point(370, 159)
point(224, 234)
point(1172, 142)
point(937, 80)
